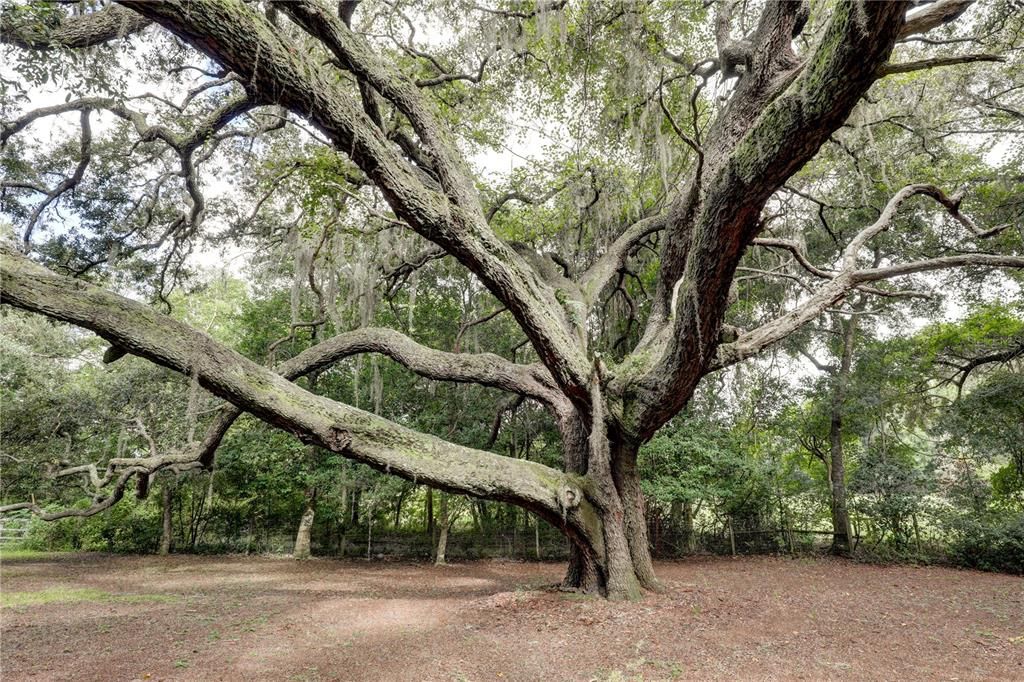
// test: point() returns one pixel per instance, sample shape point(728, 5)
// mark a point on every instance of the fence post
point(732, 537)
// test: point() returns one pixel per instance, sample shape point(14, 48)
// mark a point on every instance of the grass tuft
point(68, 594)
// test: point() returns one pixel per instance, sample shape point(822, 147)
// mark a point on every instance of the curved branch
point(67, 184)
point(94, 28)
point(851, 277)
point(484, 369)
point(933, 16)
point(613, 259)
point(451, 217)
point(204, 129)
point(353, 433)
point(801, 258)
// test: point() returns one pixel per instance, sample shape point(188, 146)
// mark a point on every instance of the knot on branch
point(569, 498)
point(336, 439)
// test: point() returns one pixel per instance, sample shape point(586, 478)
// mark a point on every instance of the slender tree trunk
point(689, 537)
point(344, 508)
point(302, 536)
point(354, 506)
point(475, 515)
point(837, 468)
point(398, 509)
point(442, 540)
point(428, 514)
point(167, 530)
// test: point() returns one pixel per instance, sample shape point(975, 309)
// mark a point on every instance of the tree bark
point(302, 535)
point(166, 527)
point(689, 538)
point(627, 482)
point(442, 538)
point(620, 565)
point(837, 463)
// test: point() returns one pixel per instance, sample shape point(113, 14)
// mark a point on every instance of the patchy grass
point(14, 554)
point(70, 594)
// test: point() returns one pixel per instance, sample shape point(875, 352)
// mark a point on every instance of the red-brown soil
point(242, 618)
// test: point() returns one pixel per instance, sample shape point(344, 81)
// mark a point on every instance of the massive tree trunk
point(620, 565)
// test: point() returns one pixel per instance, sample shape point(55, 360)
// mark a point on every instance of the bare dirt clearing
point(95, 617)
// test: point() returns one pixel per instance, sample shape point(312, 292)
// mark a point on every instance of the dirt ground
point(95, 617)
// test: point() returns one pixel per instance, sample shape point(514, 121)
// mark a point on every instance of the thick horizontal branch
point(484, 369)
point(936, 62)
point(94, 28)
point(351, 432)
point(932, 16)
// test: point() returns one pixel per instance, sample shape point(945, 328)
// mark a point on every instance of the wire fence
point(13, 531)
point(543, 545)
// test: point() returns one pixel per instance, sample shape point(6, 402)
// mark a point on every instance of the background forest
point(932, 454)
point(897, 416)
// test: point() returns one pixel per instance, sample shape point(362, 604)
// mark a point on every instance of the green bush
point(995, 547)
point(126, 528)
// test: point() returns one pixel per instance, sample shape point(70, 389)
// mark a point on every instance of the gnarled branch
point(358, 435)
point(851, 277)
point(94, 28)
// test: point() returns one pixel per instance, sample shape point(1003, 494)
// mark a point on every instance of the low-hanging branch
point(353, 433)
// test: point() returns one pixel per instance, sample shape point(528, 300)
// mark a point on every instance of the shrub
point(990, 547)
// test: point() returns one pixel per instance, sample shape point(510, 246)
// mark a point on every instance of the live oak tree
point(746, 94)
